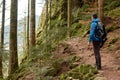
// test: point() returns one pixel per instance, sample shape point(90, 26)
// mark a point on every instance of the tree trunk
point(13, 62)
point(25, 38)
point(69, 18)
point(32, 24)
point(2, 38)
point(96, 5)
point(1, 74)
point(50, 10)
point(46, 27)
point(3, 21)
point(28, 30)
point(100, 10)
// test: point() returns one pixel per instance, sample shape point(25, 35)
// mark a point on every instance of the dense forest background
point(56, 48)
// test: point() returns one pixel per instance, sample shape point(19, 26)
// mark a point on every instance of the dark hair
point(94, 16)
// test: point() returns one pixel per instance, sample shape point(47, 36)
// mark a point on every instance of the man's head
point(94, 16)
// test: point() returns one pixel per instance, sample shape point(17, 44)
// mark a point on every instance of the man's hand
point(89, 45)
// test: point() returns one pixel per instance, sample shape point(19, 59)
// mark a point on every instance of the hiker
point(95, 41)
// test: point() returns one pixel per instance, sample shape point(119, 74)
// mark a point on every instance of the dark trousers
point(96, 48)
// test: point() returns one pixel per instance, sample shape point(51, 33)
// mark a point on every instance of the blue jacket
point(92, 30)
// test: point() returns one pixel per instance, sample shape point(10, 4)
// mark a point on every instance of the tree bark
point(13, 62)
point(3, 22)
point(25, 37)
point(96, 5)
point(28, 30)
point(2, 38)
point(32, 24)
point(69, 18)
point(100, 9)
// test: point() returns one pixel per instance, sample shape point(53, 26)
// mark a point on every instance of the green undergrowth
point(46, 67)
point(62, 69)
point(20, 72)
point(81, 72)
point(58, 65)
point(114, 13)
point(110, 4)
point(112, 8)
point(111, 28)
point(113, 41)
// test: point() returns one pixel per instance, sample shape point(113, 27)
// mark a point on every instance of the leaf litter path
point(110, 64)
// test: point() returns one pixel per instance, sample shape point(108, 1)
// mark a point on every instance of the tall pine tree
point(2, 37)
point(28, 30)
point(100, 10)
point(13, 61)
point(69, 17)
point(32, 23)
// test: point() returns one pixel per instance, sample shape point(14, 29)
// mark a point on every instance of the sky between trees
point(22, 8)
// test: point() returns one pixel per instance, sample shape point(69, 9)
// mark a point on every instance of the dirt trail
point(110, 64)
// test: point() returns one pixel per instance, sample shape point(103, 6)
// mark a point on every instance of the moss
point(17, 75)
point(113, 41)
point(63, 76)
point(75, 29)
point(110, 5)
point(57, 29)
point(114, 13)
point(82, 72)
point(55, 68)
point(84, 30)
point(111, 28)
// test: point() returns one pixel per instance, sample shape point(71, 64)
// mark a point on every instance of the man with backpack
point(97, 37)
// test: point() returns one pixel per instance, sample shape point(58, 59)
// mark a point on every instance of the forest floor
point(110, 55)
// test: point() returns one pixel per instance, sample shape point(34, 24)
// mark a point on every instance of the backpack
point(100, 33)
